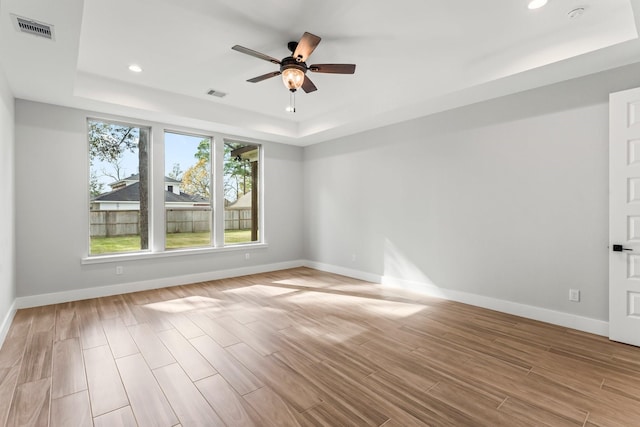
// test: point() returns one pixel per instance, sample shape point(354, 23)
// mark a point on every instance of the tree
point(176, 173)
point(108, 142)
point(204, 150)
point(236, 173)
point(117, 172)
point(196, 180)
point(143, 165)
point(95, 187)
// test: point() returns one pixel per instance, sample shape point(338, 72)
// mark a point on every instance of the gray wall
point(7, 236)
point(505, 199)
point(52, 171)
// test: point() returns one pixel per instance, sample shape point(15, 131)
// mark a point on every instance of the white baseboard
point(124, 288)
point(568, 320)
point(6, 322)
point(343, 271)
point(573, 321)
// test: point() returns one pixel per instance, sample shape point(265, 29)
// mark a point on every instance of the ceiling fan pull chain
point(292, 102)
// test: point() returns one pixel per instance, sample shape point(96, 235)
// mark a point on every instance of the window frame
point(131, 124)
point(211, 172)
point(259, 186)
point(157, 215)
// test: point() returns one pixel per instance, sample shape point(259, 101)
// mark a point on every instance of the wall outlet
point(119, 270)
point(247, 256)
point(574, 295)
point(354, 258)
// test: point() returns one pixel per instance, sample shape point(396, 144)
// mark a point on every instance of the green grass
point(237, 236)
point(105, 245)
point(186, 240)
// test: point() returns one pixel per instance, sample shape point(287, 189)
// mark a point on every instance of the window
point(119, 187)
point(187, 198)
point(240, 176)
point(206, 194)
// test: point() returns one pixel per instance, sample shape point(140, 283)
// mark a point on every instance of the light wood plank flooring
point(305, 348)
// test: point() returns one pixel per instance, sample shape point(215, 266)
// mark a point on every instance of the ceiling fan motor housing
point(290, 62)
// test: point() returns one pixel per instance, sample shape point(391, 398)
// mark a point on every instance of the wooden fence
point(188, 220)
point(114, 223)
point(235, 219)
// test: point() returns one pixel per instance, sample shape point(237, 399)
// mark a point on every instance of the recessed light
point(135, 68)
point(536, 4)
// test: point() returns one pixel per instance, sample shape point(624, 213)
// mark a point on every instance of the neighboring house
point(237, 215)
point(243, 203)
point(125, 195)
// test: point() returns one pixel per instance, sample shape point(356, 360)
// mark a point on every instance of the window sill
point(131, 256)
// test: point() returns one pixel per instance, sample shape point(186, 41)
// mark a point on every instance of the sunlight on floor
point(300, 282)
point(385, 308)
point(267, 290)
point(184, 304)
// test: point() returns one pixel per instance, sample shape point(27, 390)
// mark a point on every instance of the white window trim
point(130, 256)
point(156, 216)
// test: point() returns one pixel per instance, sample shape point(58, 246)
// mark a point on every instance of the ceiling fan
point(293, 68)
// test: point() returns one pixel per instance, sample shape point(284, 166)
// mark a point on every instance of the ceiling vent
point(216, 93)
point(29, 26)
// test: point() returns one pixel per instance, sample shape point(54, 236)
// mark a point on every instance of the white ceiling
point(414, 57)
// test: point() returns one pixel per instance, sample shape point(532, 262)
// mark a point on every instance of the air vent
point(35, 28)
point(216, 93)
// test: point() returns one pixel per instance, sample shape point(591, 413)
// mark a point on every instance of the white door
point(624, 216)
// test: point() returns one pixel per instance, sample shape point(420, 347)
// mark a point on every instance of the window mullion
point(218, 196)
point(157, 213)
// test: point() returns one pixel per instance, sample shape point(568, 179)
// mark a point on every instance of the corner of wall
point(6, 322)
point(8, 289)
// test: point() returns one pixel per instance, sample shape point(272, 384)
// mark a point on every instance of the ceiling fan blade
point(264, 77)
point(308, 86)
point(333, 68)
point(252, 52)
point(306, 45)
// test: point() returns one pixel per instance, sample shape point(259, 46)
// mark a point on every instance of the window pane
point(187, 190)
point(240, 178)
point(118, 185)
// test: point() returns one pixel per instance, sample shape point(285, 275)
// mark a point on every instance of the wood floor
point(305, 348)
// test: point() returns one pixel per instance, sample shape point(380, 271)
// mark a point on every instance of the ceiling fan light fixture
point(293, 78)
point(536, 4)
point(293, 69)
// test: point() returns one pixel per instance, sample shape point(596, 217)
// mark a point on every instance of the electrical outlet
point(119, 270)
point(354, 258)
point(574, 295)
point(247, 256)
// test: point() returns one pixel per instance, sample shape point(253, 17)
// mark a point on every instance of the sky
point(178, 149)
